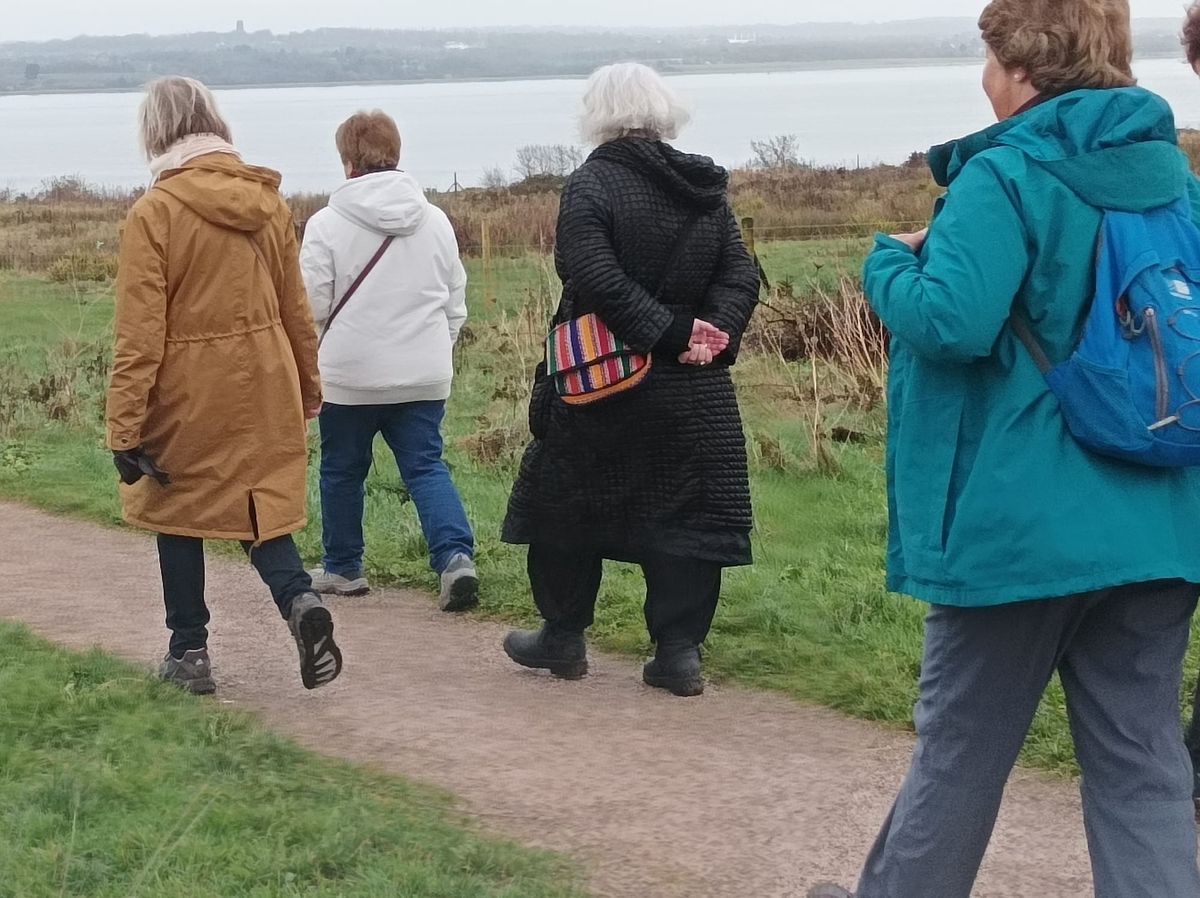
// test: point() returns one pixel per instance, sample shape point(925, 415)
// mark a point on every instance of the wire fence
point(75, 246)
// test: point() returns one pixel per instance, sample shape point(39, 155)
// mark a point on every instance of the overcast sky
point(45, 19)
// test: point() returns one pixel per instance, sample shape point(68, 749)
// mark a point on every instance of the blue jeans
point(1119, 653)
point(412, 431)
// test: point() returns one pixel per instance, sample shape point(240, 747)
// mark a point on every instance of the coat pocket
point(925, 447)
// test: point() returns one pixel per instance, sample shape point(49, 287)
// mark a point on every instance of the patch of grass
point(811, 618)
point(116, 786)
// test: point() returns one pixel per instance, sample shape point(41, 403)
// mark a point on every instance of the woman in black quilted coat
point(657, 476)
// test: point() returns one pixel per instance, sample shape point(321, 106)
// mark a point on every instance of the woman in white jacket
point(388, 291)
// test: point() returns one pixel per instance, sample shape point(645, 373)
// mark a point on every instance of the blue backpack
point(1131, 389)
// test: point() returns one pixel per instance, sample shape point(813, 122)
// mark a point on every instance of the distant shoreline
point(675, 71)
point(838, 65)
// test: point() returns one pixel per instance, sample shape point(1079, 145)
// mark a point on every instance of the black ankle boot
point(676, 668)
point(564, 654)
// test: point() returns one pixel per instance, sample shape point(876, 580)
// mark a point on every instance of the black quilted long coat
point(662, 468)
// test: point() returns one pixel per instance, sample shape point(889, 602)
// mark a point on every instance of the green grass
point(115, 786)
point(810, 619)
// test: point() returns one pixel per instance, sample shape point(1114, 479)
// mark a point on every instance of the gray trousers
point(1119, 653)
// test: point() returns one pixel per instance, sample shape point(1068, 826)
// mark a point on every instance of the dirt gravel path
point(733, 795)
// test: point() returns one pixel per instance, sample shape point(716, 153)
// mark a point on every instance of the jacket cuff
point(886, 241)
point(677, 337)
point(123, 441)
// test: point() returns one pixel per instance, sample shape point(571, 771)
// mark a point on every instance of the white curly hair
point(630, 98)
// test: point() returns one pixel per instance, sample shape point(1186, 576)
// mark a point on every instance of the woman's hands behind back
point(707, 342)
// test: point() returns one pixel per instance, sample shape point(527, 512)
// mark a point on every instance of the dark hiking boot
point(192, 672)
point(676, 668)
point(829, 890)
point(312, 627)
point(563, 654)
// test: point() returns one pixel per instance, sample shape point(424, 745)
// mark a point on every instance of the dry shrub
point(807, 202)
point(66, 384)
point(83, 266)
point(768, 453)
point(836, 327)
point(496, 444)
point(514, 343)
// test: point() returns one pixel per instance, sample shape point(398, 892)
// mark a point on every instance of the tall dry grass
point(68, 219)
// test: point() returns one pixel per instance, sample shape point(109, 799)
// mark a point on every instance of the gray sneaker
point(192, 672)
point(460, 585)
point(312, 627)
point(328, 584)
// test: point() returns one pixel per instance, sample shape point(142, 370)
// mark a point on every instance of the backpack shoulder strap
point(358, 282)
point(1023, 330)
point(1021, 325)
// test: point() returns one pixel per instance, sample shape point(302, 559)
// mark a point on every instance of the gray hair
point(630, 98)
point(175, 108)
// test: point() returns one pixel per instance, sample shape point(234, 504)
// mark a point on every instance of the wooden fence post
point(748, 234)
point(489, 283)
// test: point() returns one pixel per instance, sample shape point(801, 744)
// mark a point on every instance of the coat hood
point(387, 202)
point(1116, 149)
point(697, 180)
point(225, 191)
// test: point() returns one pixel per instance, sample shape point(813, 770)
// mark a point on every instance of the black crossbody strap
point(358, 282)
point(677, 251)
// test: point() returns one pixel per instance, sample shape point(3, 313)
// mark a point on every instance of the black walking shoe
point(563, 654)
point(312, 627)
point(192, 672)
point(829, 890)
point(676, 668)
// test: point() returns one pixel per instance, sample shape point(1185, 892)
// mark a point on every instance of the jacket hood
point(225, 192)
point(1116, 149)
point(387, 202)
point(695, 179)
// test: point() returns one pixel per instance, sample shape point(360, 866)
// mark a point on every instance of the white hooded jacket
point(394, 340)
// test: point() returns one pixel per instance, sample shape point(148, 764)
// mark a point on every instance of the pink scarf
point(183, 151)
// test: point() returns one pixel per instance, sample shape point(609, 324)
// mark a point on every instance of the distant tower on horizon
point(241, 26)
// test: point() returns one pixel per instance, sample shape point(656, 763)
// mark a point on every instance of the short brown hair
point(369, 142)
point(1191, 33)
point(175, 108)
point(1064, 45)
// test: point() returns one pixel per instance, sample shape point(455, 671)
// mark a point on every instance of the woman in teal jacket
point(1035, 555)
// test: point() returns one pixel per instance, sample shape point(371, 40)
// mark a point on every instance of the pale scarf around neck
point(183, 151)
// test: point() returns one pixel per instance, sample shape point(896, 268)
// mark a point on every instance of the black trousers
point(681, 593)
point(181, 559)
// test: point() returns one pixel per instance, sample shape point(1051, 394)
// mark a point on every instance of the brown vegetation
point(69, 219)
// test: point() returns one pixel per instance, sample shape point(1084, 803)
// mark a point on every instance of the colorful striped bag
point(588, 362)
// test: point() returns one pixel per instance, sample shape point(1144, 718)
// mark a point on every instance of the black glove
point(134, 464)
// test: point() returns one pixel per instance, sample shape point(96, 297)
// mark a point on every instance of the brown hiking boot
point(192, 672)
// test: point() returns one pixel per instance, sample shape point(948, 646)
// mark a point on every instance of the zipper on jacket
point(1161, 387)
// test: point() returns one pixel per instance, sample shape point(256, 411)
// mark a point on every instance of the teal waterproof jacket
point(991, 500)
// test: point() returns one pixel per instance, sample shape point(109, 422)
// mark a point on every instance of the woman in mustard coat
point(215, 374)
